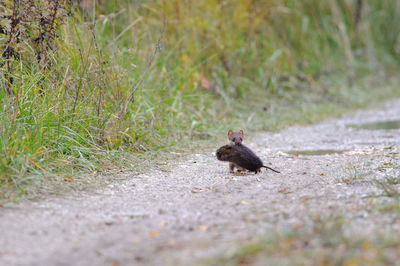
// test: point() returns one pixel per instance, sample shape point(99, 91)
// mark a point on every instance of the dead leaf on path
point(387, 164)
point(196, 190)
point(114, 263)
point(305, 198)
point(246, 202)
point(139, 259)
point(238, 174)
point(352, 261)
point(154, 233)
point(284, 191)
point(365, 245)
point(163, 223)
point(321, 174)
point(203, 228)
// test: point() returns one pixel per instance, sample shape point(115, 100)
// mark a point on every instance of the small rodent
point(242, 156)
point(235, 138)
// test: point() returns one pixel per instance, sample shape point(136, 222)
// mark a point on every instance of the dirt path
point(197, 209)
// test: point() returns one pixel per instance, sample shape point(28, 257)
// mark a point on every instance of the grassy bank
point(119, 80)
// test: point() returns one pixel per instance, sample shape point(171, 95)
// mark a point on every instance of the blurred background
point(86, 85)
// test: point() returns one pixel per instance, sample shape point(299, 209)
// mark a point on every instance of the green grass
point(353, 174)
point(388, 201)
point(268, 66)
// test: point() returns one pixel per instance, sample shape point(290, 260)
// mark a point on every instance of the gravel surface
point(197, 209)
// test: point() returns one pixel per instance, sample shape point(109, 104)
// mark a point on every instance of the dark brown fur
point(242, 156)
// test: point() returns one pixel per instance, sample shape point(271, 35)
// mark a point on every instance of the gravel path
point(197, 209)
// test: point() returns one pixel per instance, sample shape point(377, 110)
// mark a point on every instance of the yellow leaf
point(284, 191)
point(34, 163)
point(37, 151)
point(163, 223)
point(154, 233)
point(239, 174)
point(387, 164)
point(351, 261)
point(246, 202)
point(366, 245)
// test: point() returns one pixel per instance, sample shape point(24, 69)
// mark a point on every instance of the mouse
point(243, 157)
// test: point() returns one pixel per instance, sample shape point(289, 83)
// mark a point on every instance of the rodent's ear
point(230, 132)
point(241, 133)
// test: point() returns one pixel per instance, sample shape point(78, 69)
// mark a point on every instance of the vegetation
point(88, 86)
point(333, 239)
point(325, 242)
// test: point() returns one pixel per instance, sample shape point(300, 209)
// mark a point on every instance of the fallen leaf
point(305, 198)
point(139, 259)
point(387, 164)
point(366, 245)
point(352, 261)
point(196, 190)
point(114, 263)
point(321, 174)
point(239, 174)
point(163, 223)
point(284, 191)
point(154, 233)
point(246, 202)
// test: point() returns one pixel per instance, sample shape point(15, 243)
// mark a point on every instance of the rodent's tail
point(271, 169)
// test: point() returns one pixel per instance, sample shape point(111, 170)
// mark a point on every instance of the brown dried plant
point(28, 30)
